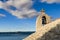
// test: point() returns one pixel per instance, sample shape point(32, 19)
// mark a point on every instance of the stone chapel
point(42, 20)
point(43, 25)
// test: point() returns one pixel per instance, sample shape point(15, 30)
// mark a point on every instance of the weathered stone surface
point(53, 34)
point(39, 20)
point(45, 29)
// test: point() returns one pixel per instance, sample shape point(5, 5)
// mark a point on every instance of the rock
point(53, 34)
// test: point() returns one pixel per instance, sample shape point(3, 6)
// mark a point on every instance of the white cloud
point(23, 8)
point(25, 13)
point(2, 15)
point(1, 4)
point(51, 1)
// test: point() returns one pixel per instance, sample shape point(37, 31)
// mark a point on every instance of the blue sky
point(25, 22)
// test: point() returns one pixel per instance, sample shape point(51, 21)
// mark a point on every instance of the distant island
point(15, 33)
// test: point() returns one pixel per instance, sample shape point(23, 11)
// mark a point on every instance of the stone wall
point(44, 32)
point(53, 34)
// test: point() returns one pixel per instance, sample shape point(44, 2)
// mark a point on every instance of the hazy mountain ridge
point(14, 33)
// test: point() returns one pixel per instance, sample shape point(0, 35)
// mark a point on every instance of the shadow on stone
point(53, 34)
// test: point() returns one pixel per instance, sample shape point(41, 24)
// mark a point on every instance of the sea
point(14, 35)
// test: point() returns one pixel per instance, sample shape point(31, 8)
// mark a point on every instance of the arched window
point(43, 20)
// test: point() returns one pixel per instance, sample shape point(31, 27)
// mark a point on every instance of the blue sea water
point(19, 36)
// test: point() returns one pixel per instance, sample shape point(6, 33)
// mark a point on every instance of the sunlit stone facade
point(42, 20)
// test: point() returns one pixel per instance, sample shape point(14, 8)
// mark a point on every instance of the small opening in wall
point(43, 20)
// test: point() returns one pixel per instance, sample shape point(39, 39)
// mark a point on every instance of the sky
point(21, 15)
